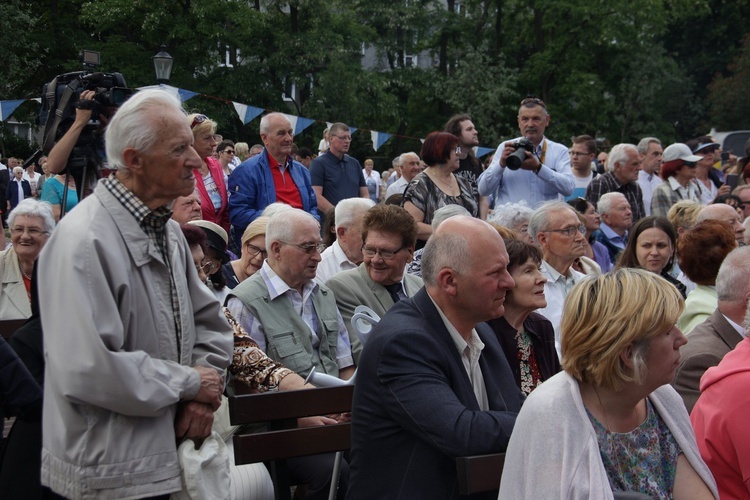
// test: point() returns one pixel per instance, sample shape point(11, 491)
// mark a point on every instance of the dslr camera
point(515, 159)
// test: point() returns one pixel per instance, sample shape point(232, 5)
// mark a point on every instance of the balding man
point(725, 213)
point(623, 166)
point(433, 383)
point(409, 165)
point(711, 340)
point(187, 208)
point(271, 176)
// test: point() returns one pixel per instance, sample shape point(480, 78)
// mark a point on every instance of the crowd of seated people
point(552, 335)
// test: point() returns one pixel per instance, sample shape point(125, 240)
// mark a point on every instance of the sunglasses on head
point(198, 120)
point(533, 100)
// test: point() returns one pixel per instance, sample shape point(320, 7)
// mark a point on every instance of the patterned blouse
point(427, 196)
point(250, 364)
point(643, 460)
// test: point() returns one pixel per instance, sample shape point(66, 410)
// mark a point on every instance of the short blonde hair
point(255, 228)
point(683, 214)
point(605, 314)
point(207, 126)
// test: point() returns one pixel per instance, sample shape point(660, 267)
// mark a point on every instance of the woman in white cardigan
point(610, 422)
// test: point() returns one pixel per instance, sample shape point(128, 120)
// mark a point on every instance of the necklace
point(24, 273)
point(434, 175)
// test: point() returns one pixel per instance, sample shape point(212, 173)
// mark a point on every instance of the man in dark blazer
point(433, 383)
point(389, 233)
point(709, 341)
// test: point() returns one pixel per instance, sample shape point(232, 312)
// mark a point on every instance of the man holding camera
point(530, 168)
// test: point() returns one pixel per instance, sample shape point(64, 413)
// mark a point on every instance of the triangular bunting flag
point(378, 139)
point(480, 151)
point(8, 107)
point(246, 113)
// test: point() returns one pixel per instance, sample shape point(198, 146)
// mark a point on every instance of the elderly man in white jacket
point(135, 344)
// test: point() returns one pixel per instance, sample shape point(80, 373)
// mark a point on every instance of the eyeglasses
point(309, 248)
point(254, 251)
point(208, 266)
point(568, 231)
point(576, 154)
point(198, 120)
point(33, 231)
point(533, 100)
point(458, 150)
point(343, 137)
point(370, 252)
point(228, 151)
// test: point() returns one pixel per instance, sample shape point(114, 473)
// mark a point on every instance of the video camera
point(58, 111)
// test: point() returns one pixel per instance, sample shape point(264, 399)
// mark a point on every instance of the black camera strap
point(50, 138)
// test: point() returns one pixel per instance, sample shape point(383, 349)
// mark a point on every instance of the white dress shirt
point(333, 261)
point(556, 291)
point(648, 182)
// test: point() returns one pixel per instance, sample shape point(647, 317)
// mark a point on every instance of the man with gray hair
point(617, 219)
point(721, 332)
point(136, 360)
point(623, 166)
point(648, 178)
point(410, 166)
point(724, 213)
point(335, 175)
point(271, 176)
point(346, 252)
point(433, 383)
point(557, 230)
point(296, 321)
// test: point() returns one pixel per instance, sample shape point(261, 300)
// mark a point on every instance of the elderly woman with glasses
point(436, 186)
point(610, 423)
point(31, 223)
point(209, 178)
point(678, 169)
point(253, 254)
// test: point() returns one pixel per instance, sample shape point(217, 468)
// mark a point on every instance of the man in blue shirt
point(335, 175)
point(545, 175)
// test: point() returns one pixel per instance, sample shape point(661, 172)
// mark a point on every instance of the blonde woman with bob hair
point(610, 425)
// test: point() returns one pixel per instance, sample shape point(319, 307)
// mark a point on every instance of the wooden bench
point(283, 439)
point(479, 473)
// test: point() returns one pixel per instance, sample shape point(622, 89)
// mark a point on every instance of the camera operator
point(541, 170)
point(57, 159)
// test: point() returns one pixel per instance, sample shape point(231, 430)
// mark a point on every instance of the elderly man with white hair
point(617, 218)
point(136, 361)
point(296, 321)
point(724, 213)
point(346, 252)
point(410, 166)
point(623, 166)
point(557, 230)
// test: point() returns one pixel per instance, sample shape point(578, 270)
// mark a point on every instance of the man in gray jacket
point(134, 342)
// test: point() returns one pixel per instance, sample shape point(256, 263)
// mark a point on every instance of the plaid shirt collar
point(134, 205)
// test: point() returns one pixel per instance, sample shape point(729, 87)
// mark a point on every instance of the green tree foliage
point(729, 96)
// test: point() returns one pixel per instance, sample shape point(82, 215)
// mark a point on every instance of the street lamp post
point(162, 65)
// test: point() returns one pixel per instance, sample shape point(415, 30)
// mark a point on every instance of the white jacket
point(553, 451)
point(113, 376)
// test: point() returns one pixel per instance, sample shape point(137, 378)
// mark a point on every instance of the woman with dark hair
point(652, 245)
point(209, 178)
point(527, 338)
point(701, 250)
point(436, 186)
point(592, 220)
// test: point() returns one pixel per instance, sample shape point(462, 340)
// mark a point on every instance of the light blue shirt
point(553, 182)
point(613, 237)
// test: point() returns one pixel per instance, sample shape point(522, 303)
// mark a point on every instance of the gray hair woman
point(441, 215)
point(31, 223)
point(514, 216)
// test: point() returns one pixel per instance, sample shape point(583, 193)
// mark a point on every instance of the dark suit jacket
point(707, 344)
point(4, 179)
point(542, 339)
point(354, 288)
point(414, 408)
point(11, 192)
